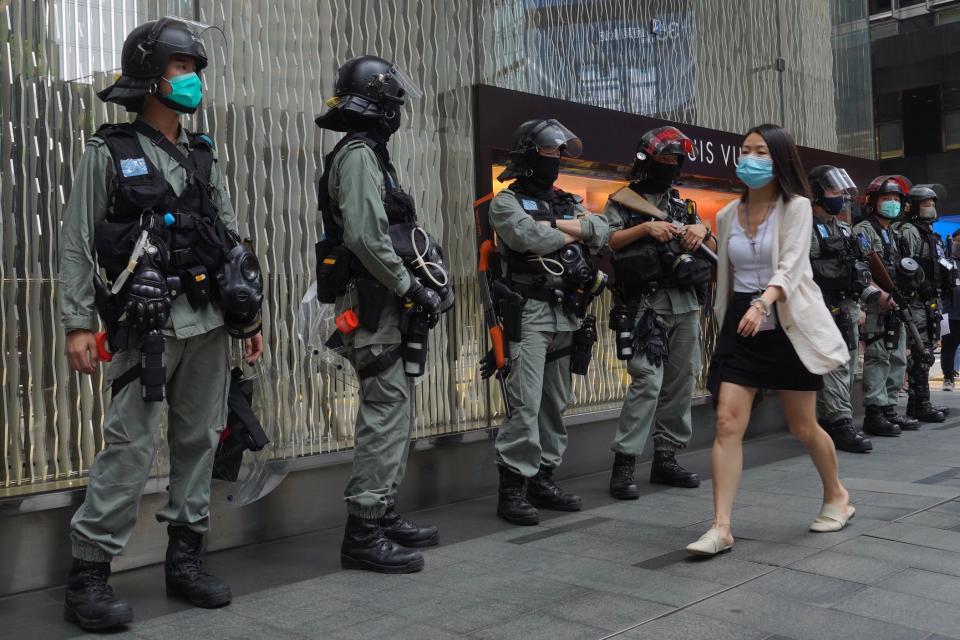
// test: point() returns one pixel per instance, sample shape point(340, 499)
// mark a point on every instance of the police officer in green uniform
point(658, 269)
point(544, 239)
point(363, 268)
point(840, 269)
point(884, 360)
point(150, 202)
point(919, 241)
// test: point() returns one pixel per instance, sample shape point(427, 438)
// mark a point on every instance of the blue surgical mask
point(755, 171)
point(185, 93)
point(834, 205)
point(889, 209)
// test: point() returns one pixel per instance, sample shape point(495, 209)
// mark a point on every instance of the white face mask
point(928, 212)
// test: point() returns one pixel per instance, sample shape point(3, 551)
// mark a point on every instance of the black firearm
point(882, 277)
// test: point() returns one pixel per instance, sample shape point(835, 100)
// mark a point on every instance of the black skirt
point(764, 361)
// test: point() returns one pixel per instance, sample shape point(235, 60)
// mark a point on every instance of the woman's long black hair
point(787, 168)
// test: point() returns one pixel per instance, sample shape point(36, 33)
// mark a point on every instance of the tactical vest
point(643, 266)
point(833, 269)
point(929, 258)
point(337, 265)
point(562, 207)
point(185, 228)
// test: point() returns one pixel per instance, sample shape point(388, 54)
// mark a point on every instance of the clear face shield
point(412, 88)
point(552, 138)
point(839, 180)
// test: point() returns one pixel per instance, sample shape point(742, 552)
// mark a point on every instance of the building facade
point(916, 84)
point(802, 63)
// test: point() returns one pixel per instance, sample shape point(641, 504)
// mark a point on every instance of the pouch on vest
point(509, 305)
point(196, 286)
point(333, 270)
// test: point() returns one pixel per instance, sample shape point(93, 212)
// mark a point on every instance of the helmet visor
point(838, 179)
point(551, 136)
point(405, 81)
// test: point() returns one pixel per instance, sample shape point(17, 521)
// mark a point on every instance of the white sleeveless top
point(752, 260)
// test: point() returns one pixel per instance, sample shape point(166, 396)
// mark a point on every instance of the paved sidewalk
point(615, 570)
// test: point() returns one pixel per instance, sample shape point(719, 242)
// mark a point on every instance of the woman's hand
point(750, 322)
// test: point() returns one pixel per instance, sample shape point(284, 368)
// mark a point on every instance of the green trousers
point(382, 434)
point(883, 368)
point(660, 397)
point(198, 379)
point(834, 401)
point(539, 393)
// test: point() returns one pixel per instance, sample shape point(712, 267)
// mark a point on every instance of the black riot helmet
point(825, 177)
point(921, 192)
point(369, 91)
point(534, 136)
point(658, 142)
point(145, 54)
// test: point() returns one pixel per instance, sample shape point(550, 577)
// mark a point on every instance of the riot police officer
point(655, 238)
point(919, 241)
point(544, 236)
point(884, 360)
point(364, 270)
point(840, 270)
point(149, 200)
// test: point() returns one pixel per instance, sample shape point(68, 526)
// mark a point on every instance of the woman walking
point(776, 332)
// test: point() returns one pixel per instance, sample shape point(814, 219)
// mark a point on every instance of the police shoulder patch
point(131, 167)
point(529, 204)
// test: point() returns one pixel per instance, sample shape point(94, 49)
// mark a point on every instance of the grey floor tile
point(684, 625)
point(771, 553)
point(725, 569)
point(470, 618)
point(612, 550)
point(920, 536)
point(540, 626)
point(935, 519)
point(900, 608)
point(629, 580)
point(392, 627)
point(797, 620)
point(907, 488)
point(903, 553)
point(925, 584)
point(847, 567)
point(808, 588)
point(605, 610)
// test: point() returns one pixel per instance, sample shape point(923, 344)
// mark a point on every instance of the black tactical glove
point(651, 338)
point(427, 299)
point(488, 366)
point(147, 304)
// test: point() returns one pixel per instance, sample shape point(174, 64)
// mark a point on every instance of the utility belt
point(509, 298)
point(889, 331)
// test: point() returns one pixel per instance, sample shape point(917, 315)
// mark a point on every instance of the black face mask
point(660, 176)
point(545, 171)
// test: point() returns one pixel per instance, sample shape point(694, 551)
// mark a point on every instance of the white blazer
point(802, 313)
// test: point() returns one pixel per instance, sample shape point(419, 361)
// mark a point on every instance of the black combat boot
point(666, 470)
point(512, 504)
point(623, 486)
point(907, 422)
point(923, 411)
point(846, 438)
point(405, 532)
point(876, 424)
point(185, 575)
point(543, 493)
point(366, 547)
point(90, 601)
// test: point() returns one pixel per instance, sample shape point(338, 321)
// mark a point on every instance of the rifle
point(882, 277)
point(498, 345)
